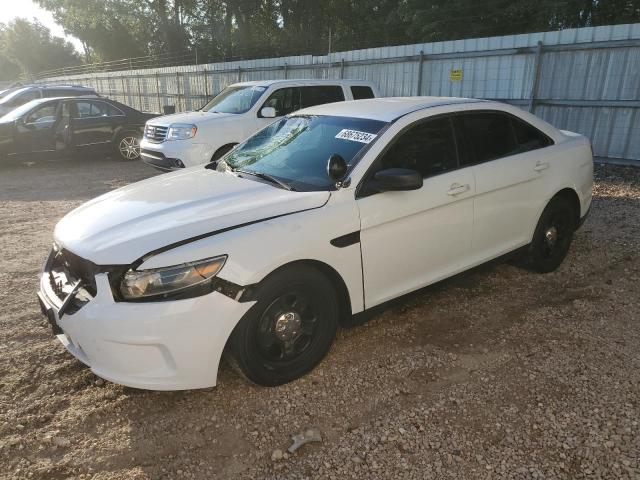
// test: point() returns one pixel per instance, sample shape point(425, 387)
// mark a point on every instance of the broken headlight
point(168, 282)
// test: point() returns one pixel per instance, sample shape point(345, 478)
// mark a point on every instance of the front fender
point(256, 250)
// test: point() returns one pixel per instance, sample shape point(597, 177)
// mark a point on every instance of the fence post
point(206, 84)
point(239, 74)
point(285, 70)
point(124, 89)
point(139, 94)
point(341, 68)
point(536, 77)
point(158, 92)
point(178, 90)
point(420, 66)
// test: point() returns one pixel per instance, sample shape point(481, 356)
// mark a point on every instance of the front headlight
point(181, 131)
point(167, 281)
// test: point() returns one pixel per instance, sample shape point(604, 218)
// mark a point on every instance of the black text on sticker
point(355, 135)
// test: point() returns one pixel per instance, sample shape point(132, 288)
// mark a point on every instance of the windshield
point(6, 92)
point(234, 100)
point(11, 95)
point(19, 111)
point(295, 150)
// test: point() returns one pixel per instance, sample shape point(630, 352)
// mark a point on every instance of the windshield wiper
point(267, 177)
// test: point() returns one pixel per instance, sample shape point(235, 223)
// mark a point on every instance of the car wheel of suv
point(290, 328)
point(552, 236)
point(128, 146)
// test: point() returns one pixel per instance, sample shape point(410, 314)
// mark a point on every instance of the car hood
point(197, 118)
point(122, 226)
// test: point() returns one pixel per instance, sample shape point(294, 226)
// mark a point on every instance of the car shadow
point(75, 178)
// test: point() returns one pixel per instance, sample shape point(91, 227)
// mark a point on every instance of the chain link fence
point(585, 80)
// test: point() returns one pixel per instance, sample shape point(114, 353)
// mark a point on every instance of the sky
point(10, 9)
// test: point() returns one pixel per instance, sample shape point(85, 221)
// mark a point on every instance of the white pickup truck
point(237, 112)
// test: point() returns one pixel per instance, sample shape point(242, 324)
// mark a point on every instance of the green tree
point(9, 70)
point(30, 46)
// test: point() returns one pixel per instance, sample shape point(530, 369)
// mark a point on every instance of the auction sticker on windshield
point(355, 136)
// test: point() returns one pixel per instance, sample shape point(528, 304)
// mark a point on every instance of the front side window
point(295, 150)
point(285, 101)
point(489, 135)
point(43, 114)
point(234, 100)
point(428, 147)
point(321, 94)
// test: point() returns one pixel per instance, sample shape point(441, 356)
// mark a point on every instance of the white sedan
point(318, 217)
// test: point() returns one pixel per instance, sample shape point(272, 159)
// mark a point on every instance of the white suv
point(237, 112)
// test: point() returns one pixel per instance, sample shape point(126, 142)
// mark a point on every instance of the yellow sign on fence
point(456, 75)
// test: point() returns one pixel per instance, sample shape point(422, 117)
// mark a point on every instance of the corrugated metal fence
point(585, 80)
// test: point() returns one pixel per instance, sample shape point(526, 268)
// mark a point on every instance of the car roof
point(385, 109)
point(298, 81)
point(38, 101)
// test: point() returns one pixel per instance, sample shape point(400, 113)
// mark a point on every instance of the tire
point(128, 146)
point(552, 237)
point(290, 328)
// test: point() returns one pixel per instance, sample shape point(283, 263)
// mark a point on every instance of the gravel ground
point(497, 373)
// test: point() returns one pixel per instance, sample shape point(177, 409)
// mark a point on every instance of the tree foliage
point(28, 47)
point(229, 29)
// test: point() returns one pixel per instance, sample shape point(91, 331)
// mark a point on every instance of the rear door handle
point(540, 166)
point(457, 189)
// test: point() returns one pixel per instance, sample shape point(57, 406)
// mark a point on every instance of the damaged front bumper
point(169, 345)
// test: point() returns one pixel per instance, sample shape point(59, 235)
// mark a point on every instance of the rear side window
point(59, 92)
point(89, 109)
point(361, 92)
point(321, 94)
point(428, 147)
point(488, 135)
point(528, 136)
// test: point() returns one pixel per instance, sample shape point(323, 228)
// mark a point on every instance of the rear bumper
point(173, 345)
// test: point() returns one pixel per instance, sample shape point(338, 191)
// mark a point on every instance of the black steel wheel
point(552, 236)
point(289, 329)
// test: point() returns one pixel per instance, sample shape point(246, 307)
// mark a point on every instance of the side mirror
point(397, 179)
point(268, 112)
point(337, 168)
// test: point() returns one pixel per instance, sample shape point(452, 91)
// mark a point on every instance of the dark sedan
point(72, 125)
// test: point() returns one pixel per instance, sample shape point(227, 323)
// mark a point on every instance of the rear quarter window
point(360, 92)
point(529, 137)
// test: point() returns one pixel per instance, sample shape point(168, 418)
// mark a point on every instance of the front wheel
point(290, 328)
point(552, 237)
point(128, 146)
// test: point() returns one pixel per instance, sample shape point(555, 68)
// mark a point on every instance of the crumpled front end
point(167, 345)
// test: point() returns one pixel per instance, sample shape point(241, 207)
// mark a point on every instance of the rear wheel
point(289, 329)
point(128, 146)
point(552, 236)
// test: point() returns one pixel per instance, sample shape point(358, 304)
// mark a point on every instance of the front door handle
point(540, 166)
point(457, 189)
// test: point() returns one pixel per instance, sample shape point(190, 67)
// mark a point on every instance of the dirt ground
point(497, 373)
